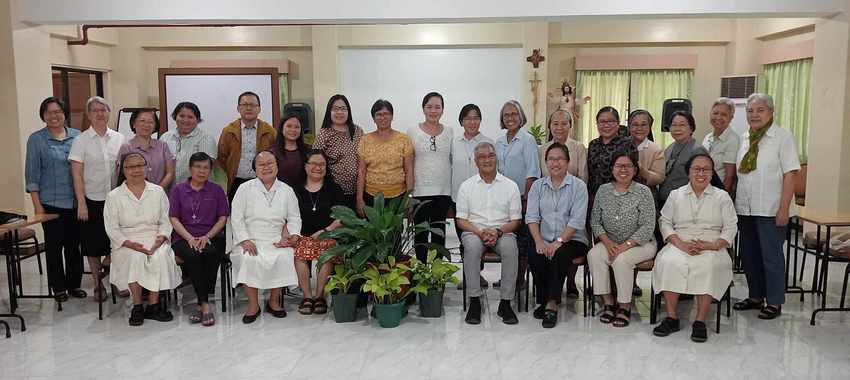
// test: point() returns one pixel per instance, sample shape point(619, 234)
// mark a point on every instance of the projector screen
point(215, 91)
point(487, 77)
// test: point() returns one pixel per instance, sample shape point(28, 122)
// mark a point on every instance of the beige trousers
point(623, 265)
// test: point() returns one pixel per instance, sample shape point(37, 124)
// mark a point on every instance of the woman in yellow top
point(385, 159)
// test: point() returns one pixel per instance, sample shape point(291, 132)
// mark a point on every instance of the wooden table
point(828, 220)
point(9, 232)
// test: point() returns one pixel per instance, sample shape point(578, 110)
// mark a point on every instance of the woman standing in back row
point(338, 138)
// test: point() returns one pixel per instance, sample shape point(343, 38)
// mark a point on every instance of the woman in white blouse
point(136, 219)
point(266, 224)
point(432, 169)
point(699, 223)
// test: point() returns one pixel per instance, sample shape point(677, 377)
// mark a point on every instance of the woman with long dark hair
point(289, 151)
point(338, 138)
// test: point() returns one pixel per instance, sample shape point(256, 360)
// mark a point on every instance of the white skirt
point(272, 267)
point(155, 272)
point(707, 273)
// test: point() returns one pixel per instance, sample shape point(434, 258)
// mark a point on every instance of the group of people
point(140, 207)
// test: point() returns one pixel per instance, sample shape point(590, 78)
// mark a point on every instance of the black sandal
point(550, 319)
point(623, 321)
point(666, 327)
point(607, 315)
point(320, 306)
point(748, 304)
point(770, 312)
point(306, 306)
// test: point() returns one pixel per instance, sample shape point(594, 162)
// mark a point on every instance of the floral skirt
point(309, 249)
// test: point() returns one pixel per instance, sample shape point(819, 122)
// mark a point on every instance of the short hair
point(688, 116)
point(47, 101)
point(715, 179)
point(610, 109)
point(483, 145)
point(557, 146)
point(381, 104)
point(632, 156)
point(254, 160)
point(637, 113)
point(189, 106)
point(723, 101)
point(200, 157)
point(522, 119)
point(761, 97)
point(97, 99)
point(549, 123)
point(247, 93)
point(433, 94)
point(464, 112)
point(135, 116)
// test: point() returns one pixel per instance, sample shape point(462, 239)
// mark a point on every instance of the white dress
point(140, 220)
point(708, 218)
point(259, 215)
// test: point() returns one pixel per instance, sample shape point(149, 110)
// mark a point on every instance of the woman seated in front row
point(199, 211)
point(698, 222)
point(266, 224)
point(316, 196)
point(136, 219)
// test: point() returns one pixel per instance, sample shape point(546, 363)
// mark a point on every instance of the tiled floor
point(73, 344)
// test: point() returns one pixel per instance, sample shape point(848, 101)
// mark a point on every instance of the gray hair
point(761, 97)
point(518, 106)
point(484, 145)
point(724, 101)
point(97, 99)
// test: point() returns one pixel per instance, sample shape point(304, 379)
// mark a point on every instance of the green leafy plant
point(342, 277)
point(386, 231)
point(386, 280)
point(538, 133)
point(433, 274)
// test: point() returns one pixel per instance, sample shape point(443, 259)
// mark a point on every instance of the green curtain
point(605, 88)
point(283, 80)
point(649, 89)
point(790, 85)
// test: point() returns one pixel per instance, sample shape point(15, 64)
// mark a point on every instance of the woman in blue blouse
point(49, 183)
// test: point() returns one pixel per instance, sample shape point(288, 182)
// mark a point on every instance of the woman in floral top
point(338, 138)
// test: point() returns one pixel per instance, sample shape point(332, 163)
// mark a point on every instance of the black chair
point(492, 257)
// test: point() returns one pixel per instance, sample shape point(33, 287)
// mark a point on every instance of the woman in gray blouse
point(623, 220)
point(682, 127)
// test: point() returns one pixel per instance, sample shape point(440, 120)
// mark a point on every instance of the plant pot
point(356, 289)
point(389, 315)
point(345, 307)
point(431, 304)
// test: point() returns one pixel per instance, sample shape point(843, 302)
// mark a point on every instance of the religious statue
point(567, 99)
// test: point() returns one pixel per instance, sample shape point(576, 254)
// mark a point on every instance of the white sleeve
point(237, 213)
point(293, 213)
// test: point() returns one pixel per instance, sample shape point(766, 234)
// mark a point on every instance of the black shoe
point(770, 312)
point(61, 296)
point(498, 284)
point(748, 304)
point(473, 315)
point(275, 313)
point(539, 312)
point(550, 319)
point(699, 333)
point(137, 315)
point(507, 314)
point(78, 293)
point(247, 319)
point(158, 313)
point(666, 327)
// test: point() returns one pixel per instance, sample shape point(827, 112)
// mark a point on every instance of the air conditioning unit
point(738, 86)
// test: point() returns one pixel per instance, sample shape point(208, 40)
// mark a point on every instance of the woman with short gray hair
point(767, 162)
point(722, 142)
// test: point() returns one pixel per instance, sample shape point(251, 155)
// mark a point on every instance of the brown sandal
point(306, 306)
point(320, 306)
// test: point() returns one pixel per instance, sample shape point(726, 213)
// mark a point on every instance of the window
point(790, 85)
point(628, 90)
point(75, 86)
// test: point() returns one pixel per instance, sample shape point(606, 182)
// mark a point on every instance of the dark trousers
point(95, 242)
point(549, 274)
point(61, 240)
point(762, 257)
point(202, 267)
point(434, 211)
point(235, 186)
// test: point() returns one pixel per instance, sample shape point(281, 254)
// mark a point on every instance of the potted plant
point(344, 301)
point(431, 278)
point(386, 283)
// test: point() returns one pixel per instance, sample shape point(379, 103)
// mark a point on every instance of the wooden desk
point(829, 221)
point(9, 232)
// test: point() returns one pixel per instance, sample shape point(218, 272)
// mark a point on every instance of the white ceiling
point(400, 11)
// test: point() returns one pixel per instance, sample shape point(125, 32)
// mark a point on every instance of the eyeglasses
point(624, 166)
point(471, 119)
point(249, 105)
point(698, 170)
point(510, 115)
point(607, 122)
point(433, 146)
point(553, 159)
point(339, 109)
point(131, 167)
point(317, 164)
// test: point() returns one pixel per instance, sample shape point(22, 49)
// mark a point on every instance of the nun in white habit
point(698, 223)
point(266, 224)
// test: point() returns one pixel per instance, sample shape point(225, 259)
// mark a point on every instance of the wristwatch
point(559, 240)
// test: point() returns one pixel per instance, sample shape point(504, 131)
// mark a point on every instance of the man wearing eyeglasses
point(241, 140)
